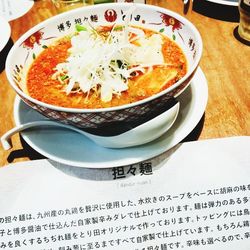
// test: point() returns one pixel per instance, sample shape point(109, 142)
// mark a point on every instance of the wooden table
point(225, 62)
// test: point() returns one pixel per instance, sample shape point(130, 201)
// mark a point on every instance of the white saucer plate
point(224, 2)
point(12, 9)
point(5, 32)
point(71, 148)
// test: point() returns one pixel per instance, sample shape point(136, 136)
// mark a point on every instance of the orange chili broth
point(42, 87)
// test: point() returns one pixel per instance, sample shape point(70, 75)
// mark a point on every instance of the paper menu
point(196, 196)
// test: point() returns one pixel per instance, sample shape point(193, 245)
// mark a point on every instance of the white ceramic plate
point(5, 32)
point(224, 2)
point(12, 9)
point(73, 149)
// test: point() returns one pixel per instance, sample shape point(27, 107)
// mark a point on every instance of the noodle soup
point(105, 67)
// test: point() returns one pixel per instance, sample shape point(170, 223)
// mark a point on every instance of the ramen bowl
point(111, 120)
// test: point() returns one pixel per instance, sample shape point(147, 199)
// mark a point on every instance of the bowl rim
point(108, 109)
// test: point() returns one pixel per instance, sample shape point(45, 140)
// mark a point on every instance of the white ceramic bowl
point(159, 19)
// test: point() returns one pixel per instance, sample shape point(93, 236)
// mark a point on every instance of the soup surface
point(148, 73)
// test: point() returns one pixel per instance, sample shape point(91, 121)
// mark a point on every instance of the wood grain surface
point(225, 63)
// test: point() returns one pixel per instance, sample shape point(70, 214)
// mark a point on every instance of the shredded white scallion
point(105, 64)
